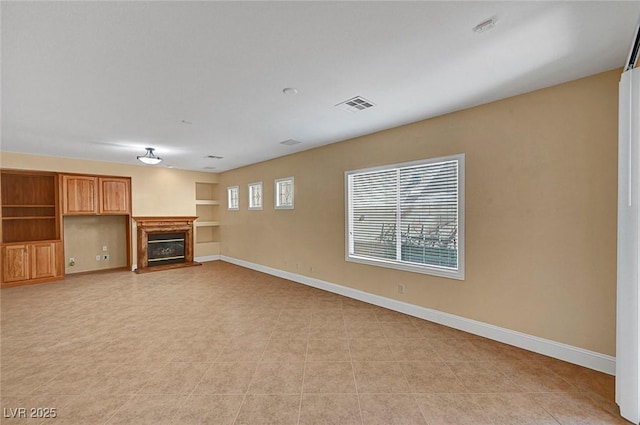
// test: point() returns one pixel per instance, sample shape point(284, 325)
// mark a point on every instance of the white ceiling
point(103, 80)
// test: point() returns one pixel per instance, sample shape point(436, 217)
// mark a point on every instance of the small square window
point(284, 193)
point(233, 198)
point(255, 196)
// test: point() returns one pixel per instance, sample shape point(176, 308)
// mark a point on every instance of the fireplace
point(165, 248)
point(164, 243)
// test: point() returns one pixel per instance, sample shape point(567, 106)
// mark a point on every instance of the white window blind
point(408, 216)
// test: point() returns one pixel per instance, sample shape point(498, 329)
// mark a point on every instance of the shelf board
point(211, 241)
point(41, 217)
point(207, 223)
point(27, 206)
point(207, 202)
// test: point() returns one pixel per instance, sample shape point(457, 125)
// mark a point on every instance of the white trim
point(628, 267)
point(568, 353)
point(206, 258)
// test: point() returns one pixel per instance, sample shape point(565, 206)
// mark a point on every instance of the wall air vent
point(290, 142)
point(355, 104)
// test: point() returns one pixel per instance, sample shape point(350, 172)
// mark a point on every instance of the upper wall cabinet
point(79, 194)
point(87, 195)
point(115, 196)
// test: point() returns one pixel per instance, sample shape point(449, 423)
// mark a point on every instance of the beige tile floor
point(220, 344)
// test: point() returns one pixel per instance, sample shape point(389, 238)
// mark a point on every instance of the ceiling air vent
point(290, 142)
point(355, 104)
point(214, 157)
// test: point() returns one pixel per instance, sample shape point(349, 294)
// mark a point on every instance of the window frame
point(237, 190)
point(276, 203)
point(440, 271)
point(255, 186)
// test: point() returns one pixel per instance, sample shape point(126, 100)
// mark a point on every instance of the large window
point(408, 216)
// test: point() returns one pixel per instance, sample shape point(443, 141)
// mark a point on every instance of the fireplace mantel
point(159, 225)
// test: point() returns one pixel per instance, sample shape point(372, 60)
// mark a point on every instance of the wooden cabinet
point(15, 263)
point(79, 194)
point(31, 246)
point(86, 195)
point(43, 259)
point(33, 203)
point(31, 262)
point(115, 196)
point(89, 195)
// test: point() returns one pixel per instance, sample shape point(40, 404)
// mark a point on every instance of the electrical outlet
point(97, 258)
point(400, 289)
point(106, 257)
point(72, 261)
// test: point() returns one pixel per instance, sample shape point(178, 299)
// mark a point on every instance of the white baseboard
point(568, 353)
point(206, 258)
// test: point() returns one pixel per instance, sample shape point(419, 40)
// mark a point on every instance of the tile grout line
point(246, 393)
point(411, 392)
point(132, 396)
point(304, 370)
point(194, 387)
point(353, 370)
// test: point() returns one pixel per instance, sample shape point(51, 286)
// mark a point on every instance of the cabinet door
point(43, 259)
point(115, 195)
point(79, 194)
point(15, 263)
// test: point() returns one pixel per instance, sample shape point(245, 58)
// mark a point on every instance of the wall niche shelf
point(207, 226)
point(207, 223)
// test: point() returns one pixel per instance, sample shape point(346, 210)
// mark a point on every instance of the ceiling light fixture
point(149, 158)
point(485, 25)
point(290, 90)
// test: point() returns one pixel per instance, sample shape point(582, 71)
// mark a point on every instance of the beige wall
point(540, 212)
point(84, 237)
point(155, 191)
